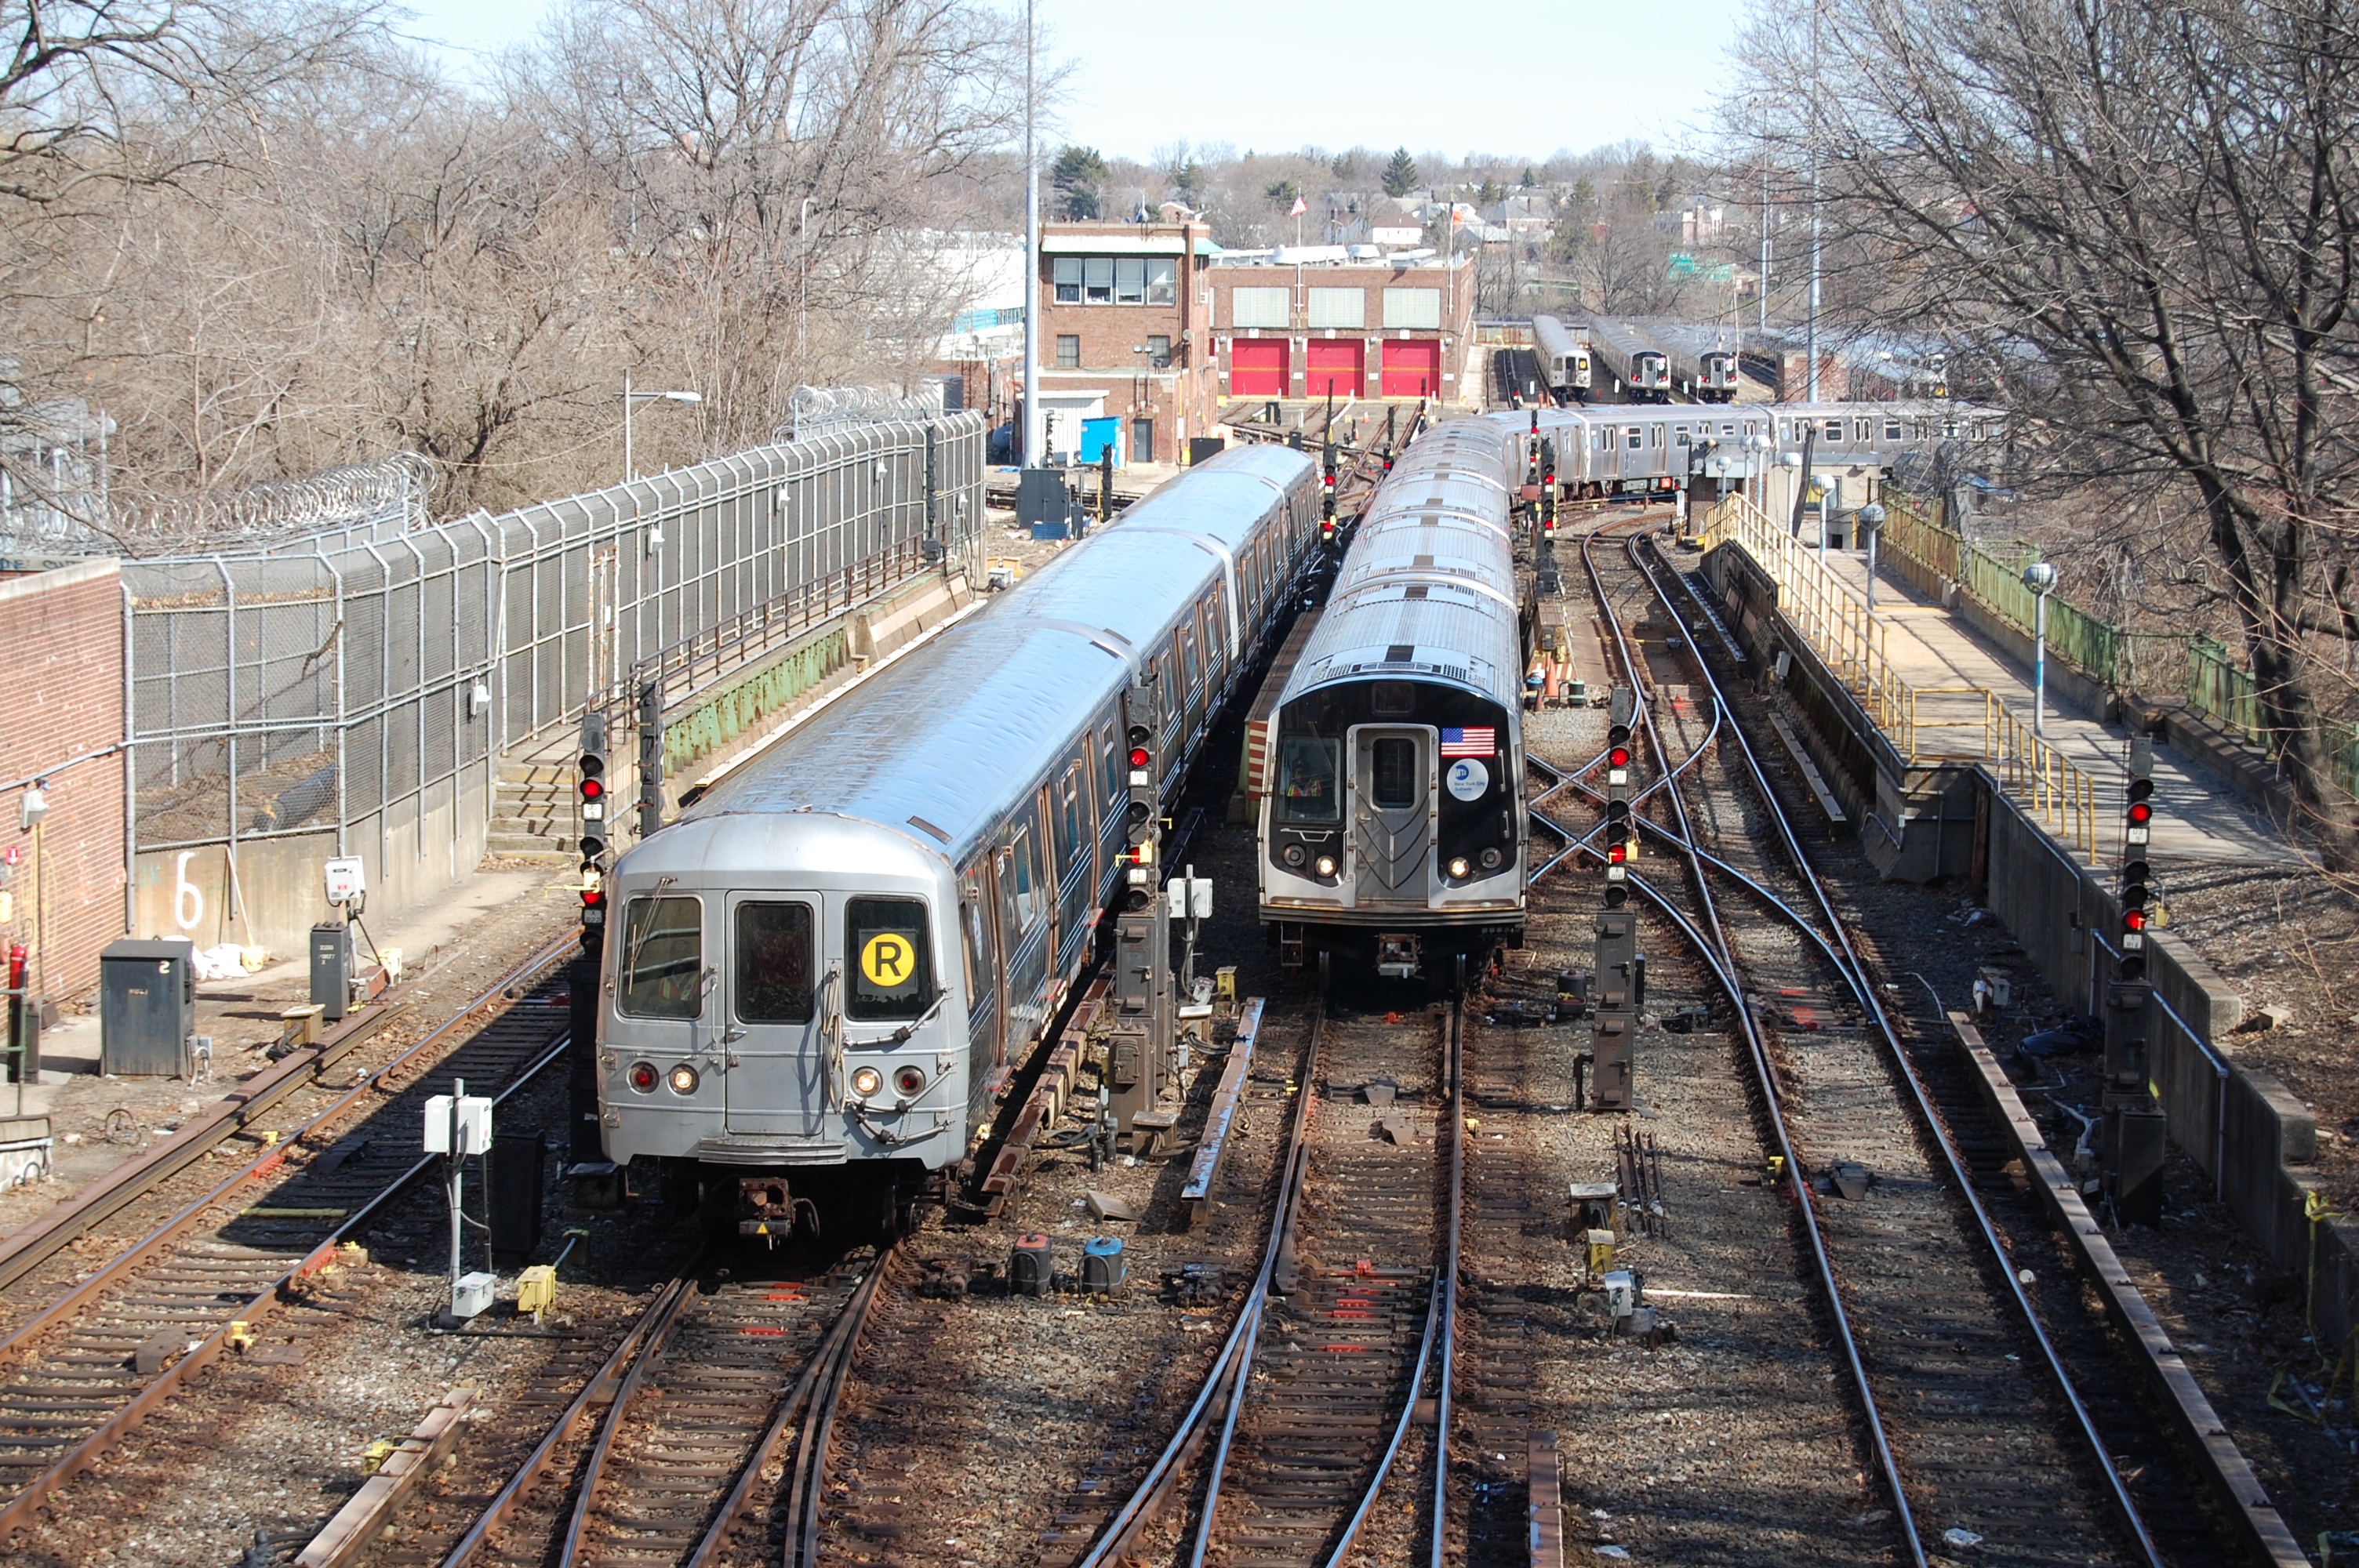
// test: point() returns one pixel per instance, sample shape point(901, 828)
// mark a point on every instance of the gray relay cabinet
point(147, 1008)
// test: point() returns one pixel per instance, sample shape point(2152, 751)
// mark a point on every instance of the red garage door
point(1257, 367)
point(1413, 367)
point(1337, 368)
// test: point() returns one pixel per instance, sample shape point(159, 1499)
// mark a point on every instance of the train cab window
point(1392, 700)
point(891, 970)
point(1307, 766)
point(1020, 882)
point(663, 959)
point(1393, 766)
point(774, 963)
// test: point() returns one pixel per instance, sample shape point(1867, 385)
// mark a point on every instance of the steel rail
point(808, 1483)
point(1155, 1488)
point(19, 1512)
point(1448, 1308)
point(1887, 1463)
point(136, 1178)
point(1854, 973)
point(651, 1349)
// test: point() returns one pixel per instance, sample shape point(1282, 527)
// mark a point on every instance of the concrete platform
point(2198, 816)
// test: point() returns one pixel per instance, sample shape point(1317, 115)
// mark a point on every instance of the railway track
point(1976, 1424)
point(215, 1274)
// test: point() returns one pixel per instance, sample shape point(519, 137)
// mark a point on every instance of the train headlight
point(908, 1081)
point(683, 1079)
point(866, 1081)
point(1294, 855)
point(1326, 867)
point(1458, 868)
point(643, 1077)
point(1491, 859)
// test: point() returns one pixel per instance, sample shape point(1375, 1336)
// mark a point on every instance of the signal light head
point(1617, 757)
point(1617, 853)
point(2141, 813)
point(2134, 920)
point(592, 788)
point(2140, 788)
point(591, 847)
point(1138, 758)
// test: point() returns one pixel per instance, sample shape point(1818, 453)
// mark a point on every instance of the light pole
point(1033, 456)
point(633, 399)
point(1871, 521)
point(2040, 578)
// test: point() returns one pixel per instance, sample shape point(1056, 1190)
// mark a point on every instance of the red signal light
point(1619, 757)
point(2141, 812)
point(592, 789)
point(1617, 853)
point(1139, 756)
point(2134, 920)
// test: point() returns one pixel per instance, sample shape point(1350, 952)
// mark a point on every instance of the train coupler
point(1290, 947)
point(1396, 955)
point(767, 1208)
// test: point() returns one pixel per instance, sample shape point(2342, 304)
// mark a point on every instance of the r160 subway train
point(1392, 827)
point(821, 972)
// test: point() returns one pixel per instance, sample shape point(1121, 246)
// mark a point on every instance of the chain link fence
point(362, 680)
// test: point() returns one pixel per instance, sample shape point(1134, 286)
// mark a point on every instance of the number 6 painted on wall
point(188, 900)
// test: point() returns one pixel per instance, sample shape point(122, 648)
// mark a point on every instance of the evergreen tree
point(1400, 175)
point(1078, 176)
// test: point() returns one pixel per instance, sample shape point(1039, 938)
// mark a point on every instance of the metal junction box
point(147, 1008)
point(331, 968)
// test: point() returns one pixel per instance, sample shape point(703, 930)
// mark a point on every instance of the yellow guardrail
point(1820, 605)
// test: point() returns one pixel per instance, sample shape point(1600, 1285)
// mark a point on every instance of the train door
point(986, 1003)
point(1392, 813)
point(776, 1079)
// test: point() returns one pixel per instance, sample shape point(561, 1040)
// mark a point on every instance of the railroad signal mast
point(1327, 490)
point(2132, 1137)
point(1139, 1052)
point(1550, 581)
point(592, 787)
point(1620, 972)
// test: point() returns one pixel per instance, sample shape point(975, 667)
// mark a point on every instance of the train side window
point(1835, 436)
point(1892, 429)
point(978, 962)
point(1679, 435)
point(891, 972)
point(663, 959)
point(1022, 882)
point(1636, 438)
point(1393, 764)
point(1307, 766)
point(1186, 640)
point(1069, 803)
point(773, 981)
point(1118, 777)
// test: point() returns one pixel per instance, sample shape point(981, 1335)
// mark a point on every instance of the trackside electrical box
point(471, 1127)
point(147, 1008)
point(331, 968)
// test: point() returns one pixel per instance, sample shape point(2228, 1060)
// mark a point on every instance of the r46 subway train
point(820, 974)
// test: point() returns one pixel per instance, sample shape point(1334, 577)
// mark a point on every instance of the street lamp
point(2040, 578)
point(632, 400)
point(1871, 520)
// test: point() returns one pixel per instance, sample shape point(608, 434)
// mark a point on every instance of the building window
point(1130, 281)
point(1338, 307)
point(1159, 350)
point(1067, 276)
point(1097, 280)
point(1069, 351)
point(1259, 308)
point(1162, 287)
point(1413, 307)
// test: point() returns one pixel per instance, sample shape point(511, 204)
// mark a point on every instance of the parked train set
point(1635, 361)
point(819, 974)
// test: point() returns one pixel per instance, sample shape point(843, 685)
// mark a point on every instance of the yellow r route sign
point(888, 960)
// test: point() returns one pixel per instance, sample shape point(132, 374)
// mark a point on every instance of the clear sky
point(1449, 76)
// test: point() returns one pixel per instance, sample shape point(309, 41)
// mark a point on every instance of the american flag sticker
point(1470, 742)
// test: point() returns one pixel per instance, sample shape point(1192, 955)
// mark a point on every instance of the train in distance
point(818, 975)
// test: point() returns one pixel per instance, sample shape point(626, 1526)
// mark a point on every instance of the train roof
point(1554, 337)
point(1626, 336)
point(940, 744)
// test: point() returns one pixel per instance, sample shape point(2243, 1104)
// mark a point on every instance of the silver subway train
point(820, 974)
point(1704, 364)
point(1605, 450)
point(1632, 365)
point(1392, 824)
point(1564, 361)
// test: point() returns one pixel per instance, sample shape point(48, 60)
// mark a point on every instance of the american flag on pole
point(1470, 742)
point(1301, 207)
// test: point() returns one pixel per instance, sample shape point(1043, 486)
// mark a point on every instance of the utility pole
point(1032, 425)
point(1811, 335)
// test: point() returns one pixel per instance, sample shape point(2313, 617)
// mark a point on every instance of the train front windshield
point(891, 976)
point(1308, 786)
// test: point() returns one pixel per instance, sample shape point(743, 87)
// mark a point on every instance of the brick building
point(1322, 320)
point(63, 630)
point(1125, 325)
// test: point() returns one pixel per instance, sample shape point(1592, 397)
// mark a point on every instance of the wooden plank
point(1545, 1509)
point(1810, 770)
point(1196, 1195)
point(356, 1525)
point(2172, 1381)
